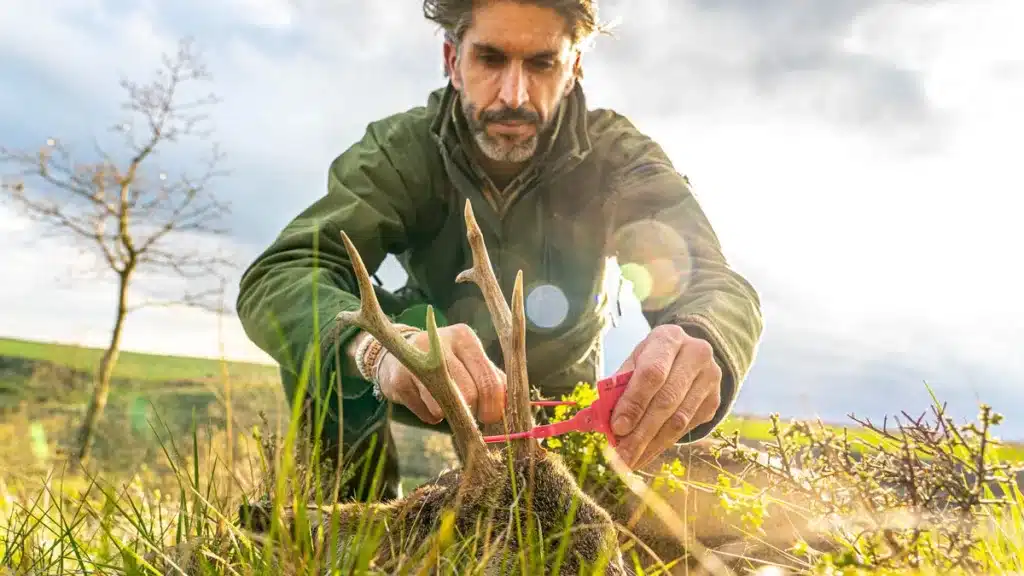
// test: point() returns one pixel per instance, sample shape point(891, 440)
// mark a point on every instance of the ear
point(451, 59)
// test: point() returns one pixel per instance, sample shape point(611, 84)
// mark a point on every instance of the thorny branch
point(909, 495)
point(131, 213)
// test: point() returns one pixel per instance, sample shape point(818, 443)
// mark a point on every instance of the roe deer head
point(514, 496)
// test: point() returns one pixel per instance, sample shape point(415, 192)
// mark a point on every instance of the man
point(558, 190)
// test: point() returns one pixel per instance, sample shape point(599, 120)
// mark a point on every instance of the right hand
point(481, 382)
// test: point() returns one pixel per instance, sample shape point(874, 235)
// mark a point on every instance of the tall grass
point(64, 525)
point(923, 499)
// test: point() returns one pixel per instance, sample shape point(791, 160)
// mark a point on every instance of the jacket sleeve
point(668, 248)
point(289, 296)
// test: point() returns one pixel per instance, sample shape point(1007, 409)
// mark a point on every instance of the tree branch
point(132, 220)
point(209, 300)
point(86, 183)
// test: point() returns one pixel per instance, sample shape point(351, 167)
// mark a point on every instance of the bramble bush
point(916, 495)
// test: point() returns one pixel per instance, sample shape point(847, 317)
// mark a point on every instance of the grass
point(176, 500)
point(137, 366)
point(104, 528)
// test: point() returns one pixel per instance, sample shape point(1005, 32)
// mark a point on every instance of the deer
point(496, 482)
point(510, 488)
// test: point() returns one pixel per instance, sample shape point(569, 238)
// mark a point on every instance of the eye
point(492, 58)
point(541, 64)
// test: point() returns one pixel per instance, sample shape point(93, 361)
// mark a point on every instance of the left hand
point(675, 387)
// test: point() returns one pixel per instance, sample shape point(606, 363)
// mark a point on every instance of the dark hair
point(455, 16)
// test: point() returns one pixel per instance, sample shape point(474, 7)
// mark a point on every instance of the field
point(150, 368)
point(169, 417)
point(44, 389)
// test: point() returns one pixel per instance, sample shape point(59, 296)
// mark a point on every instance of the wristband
point(408, 332)
point(360, 356)
point(370, 354)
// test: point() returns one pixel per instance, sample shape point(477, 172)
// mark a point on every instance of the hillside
point(138, 366)
point(44, 388)
point(154, 400)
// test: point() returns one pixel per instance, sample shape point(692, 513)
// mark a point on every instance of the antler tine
point(515, 367)
point(431, 368)
point(482, 274)
point(511, 331)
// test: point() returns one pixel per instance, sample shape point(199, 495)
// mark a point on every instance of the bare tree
point(129, 213)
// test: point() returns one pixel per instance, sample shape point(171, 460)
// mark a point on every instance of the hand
point(481, 382)
point(675, 387)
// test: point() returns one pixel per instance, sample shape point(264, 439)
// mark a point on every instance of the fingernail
point(620, 426)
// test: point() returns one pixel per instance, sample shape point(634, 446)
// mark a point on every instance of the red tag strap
point(594, 418)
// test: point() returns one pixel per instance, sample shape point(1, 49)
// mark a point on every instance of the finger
point(421, 392)
point(698, 407)
point(652, 367)
point(707, 410)
point(498, 399)
point(400, 386)
point(658, 446)
point(664, 407)
point(489, 381)
point(411, 394)
point(463, 380)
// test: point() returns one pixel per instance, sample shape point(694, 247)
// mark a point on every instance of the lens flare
point(547, 306)
point(639, 278)
point(655, 260)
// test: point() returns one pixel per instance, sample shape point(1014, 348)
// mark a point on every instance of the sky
point(857, 158)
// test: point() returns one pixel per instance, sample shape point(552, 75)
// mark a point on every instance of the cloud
point(61, 295)
point(747, 57)
point(857, 159)
point(881, 248)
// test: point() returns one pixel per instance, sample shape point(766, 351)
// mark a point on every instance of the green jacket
point(597, 188)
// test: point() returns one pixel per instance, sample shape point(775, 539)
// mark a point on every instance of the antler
point(431, 368)
point(511, 330)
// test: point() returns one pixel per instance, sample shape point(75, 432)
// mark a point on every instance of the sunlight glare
point(655, 260)
point(547, 306)
point(639, 278)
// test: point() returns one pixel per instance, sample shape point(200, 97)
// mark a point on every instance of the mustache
point(510, 115)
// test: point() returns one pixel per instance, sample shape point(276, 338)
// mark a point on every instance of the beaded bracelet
point(360, 355)
point(370, 354)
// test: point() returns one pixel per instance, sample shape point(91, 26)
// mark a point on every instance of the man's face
point(515, 64)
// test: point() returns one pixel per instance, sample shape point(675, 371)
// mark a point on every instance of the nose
point(513, 86)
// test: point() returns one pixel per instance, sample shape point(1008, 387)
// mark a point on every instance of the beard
point(502, 148)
